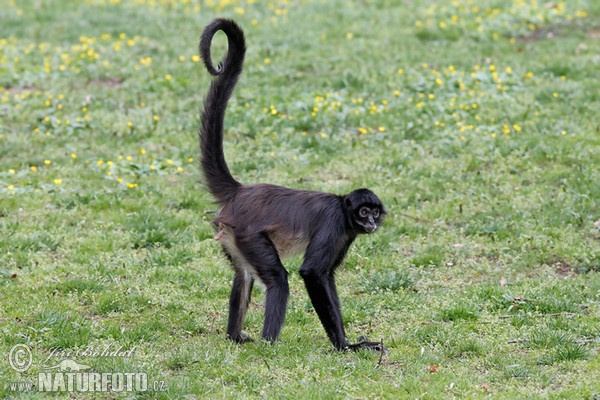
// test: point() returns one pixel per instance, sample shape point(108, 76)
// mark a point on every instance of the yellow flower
point(132, 185)
point(179, 169)
point(508, 70)
point(11, 171)
point(129, 124)
point(73, 156)
point(400, 71)
point(10, 187)
point(170, 162)
point(129, 158)
point(156, 118)
point(267, 60)
point(152, 167)
point(196, 58)
point(190, 159)
point(100, 162)
point(47, 162)
point(439, 81)
point(349, 35)
point(58, 181)
point(33, 168)
point(381, 129)
point(362, 131)
point(168, 77)
point(516, 127)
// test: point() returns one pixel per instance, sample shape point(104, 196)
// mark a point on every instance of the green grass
point(475, 122)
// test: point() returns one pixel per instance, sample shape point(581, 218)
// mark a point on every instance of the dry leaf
point(432, 369)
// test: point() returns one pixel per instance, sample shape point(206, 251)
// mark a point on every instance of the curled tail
point(217, 177)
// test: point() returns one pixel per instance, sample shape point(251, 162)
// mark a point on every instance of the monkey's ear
point(348, 202)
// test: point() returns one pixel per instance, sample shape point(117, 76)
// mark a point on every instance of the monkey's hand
point(365, 344)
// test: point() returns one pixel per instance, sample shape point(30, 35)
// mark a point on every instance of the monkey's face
point(365, 210)
point(368, 217)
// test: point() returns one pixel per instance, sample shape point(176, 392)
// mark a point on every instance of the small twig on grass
point(381, 351)
point(584, 341)
point(427, 221)
point(512, 341)
point(561, 314)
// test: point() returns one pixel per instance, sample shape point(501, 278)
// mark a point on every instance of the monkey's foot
point(364, 344)
point(241, 338)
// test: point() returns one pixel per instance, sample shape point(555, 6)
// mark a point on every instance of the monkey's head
point(365, 210)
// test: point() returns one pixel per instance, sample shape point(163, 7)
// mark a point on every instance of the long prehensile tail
point(218, 179)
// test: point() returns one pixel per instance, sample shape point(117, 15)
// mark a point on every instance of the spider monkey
point(260, 224)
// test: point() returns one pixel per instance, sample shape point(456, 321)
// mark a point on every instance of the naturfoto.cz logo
point(69, 375)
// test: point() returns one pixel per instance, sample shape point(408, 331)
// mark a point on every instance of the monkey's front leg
point(363, 343)
point(322, 292)
point(323, 295)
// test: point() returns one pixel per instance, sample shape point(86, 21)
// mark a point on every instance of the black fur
point(259, 224)
point(216, 173)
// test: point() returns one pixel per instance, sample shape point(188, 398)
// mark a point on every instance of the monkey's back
point(288, 216)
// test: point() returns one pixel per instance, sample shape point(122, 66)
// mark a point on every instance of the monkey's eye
point(376, 213)
point(363, 212)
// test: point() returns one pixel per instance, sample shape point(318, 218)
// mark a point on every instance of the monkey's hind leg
point(241, 291)
point(261, 254)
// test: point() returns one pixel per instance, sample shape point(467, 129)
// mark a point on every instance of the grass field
point(476, 122)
